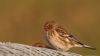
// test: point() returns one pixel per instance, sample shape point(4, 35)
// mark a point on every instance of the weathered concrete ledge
point(15, 49)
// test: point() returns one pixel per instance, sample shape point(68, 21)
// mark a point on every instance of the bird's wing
point(62, 32)
point(71, 37)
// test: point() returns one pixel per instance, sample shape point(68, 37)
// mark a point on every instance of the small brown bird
point(60, 39)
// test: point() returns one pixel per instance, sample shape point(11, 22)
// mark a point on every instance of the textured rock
point(15, 49)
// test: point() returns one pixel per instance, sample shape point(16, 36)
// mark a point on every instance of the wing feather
point(62, 32)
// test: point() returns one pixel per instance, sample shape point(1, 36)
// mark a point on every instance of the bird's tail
point(89, 47)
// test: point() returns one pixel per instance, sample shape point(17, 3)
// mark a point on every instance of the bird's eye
point(49, 26)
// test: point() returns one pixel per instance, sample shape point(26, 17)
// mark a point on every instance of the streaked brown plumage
point(59, 38)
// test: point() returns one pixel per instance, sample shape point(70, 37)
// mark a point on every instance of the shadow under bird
point(59, 39)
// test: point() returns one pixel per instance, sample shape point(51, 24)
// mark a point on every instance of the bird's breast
point(58, 42)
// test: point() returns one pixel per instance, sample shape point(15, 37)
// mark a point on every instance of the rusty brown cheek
point(49, 27)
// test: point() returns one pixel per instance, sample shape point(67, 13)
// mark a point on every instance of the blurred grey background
point(22, 21)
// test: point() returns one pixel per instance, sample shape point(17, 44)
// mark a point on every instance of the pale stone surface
point(15, 49)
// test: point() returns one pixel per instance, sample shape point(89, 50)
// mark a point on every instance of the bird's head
point(49, 25)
